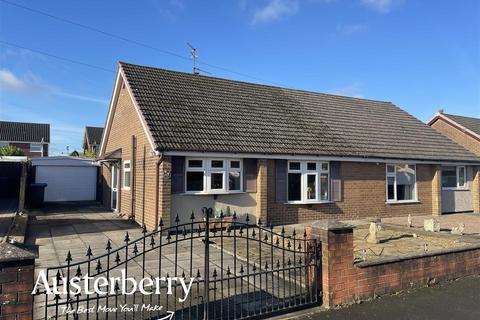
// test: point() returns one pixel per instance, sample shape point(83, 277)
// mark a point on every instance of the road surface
point(457, 300)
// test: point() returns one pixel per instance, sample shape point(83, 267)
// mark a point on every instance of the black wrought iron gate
point(231, 269)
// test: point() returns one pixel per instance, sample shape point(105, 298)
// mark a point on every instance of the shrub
point(89, 154)
point(10, 151)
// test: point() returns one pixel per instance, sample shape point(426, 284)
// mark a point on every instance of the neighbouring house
point(466, 132)
point(92, 139)
point(32, 138)
point(463, 130)
point(176, 142)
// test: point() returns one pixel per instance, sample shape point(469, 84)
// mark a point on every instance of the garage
point(67, 178)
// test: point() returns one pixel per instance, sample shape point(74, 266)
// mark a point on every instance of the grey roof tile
point(470, 123)
point(187, 112)
point(94, 134)
point(24, 132)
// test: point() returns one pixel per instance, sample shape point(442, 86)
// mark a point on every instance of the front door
point(114, 196)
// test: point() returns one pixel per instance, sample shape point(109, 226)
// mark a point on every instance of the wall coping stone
point(410, 256)
point(10, 252)
point(332, 225)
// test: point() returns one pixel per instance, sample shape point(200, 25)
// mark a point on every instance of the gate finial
point(117, 259)
point(99, 266)
point(89, 252)
point(152, 241)
point(109, 245)
point(79, 272)
point(69, 256)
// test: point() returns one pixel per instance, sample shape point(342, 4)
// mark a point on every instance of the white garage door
point(68, 183)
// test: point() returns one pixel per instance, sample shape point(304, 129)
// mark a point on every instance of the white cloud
point(275, 10)
point(382, 6)
point(349, 29)
point(352, 90)
point(30, 83)
point(11, 82)
point(168, 9)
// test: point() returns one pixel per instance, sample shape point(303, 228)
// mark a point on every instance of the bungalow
point(92, 139)
point(32, 138)
point(466, 132)
point(176, 142)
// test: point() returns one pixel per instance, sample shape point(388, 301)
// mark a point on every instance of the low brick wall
point(16, 283)
point(344, 281)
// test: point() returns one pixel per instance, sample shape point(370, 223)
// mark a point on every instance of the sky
point(58, 65)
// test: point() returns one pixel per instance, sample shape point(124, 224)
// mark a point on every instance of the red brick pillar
point(437, 190)
point(261, 197)
point(165, 191)
point(476, 189)
point(338, 273)
point(16, 282)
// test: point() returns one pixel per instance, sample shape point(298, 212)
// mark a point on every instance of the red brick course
point(363, 195)
point(125, 124)
point(25, 147)
point(16, 284)
point(456, 134)
point(343, 282)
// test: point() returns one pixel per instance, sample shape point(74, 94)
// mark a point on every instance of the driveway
point(58, 229)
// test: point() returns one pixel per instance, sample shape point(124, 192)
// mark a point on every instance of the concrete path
point(56, 230)
point(459, 300)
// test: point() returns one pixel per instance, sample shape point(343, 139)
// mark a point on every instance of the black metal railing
point(239, 269)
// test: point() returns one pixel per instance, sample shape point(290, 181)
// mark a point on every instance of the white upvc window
point(127, 170)
point(308, 182)
point(35, 147)
point(454, 177)
point(213, 175)
point(401, 183)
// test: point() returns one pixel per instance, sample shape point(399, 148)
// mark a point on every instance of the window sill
point(126, 188)
point(211, 193)
point(308, 202)
point(402, 202)
point(456, 189)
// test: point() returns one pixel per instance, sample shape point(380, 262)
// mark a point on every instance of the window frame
point(305, 172)
point(394, 176)
point(124, 173)
point(457, 175)
point(208, 170)
point(36, 144)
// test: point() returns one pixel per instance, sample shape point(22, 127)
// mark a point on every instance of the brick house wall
point(25, 147)
point(457, 135)
point(363, 184)
point(363, 195)
point(124, 125)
